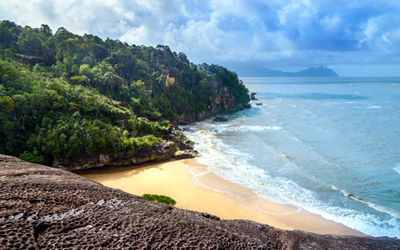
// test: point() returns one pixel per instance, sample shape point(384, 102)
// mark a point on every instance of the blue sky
point(354, 38)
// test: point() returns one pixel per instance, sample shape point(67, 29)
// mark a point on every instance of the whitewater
point(329, 146)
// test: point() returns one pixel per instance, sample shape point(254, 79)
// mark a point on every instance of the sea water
point(329, 146)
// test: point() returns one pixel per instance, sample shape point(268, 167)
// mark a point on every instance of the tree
point(6, 37)
point(45, 29)
point(7, 104)
point(85, 70)
point(75, 69)
point(21, 105)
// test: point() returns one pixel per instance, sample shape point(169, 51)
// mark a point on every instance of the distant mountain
point(320, 71)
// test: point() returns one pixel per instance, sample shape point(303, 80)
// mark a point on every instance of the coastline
point(194, 187)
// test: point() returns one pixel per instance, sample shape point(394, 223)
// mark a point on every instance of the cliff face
point(224, 101)
point(47, 208)
point(174, 146)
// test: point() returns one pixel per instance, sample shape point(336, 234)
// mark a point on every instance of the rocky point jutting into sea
point(103, 102)
point(175, 144)
point(49, 208)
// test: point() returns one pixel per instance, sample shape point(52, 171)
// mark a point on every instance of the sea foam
point(231, 164)
point(315, 146)
point(397, 168)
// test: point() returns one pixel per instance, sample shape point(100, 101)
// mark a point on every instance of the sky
point(354, 38)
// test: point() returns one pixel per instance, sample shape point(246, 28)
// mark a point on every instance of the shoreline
point(196, 188)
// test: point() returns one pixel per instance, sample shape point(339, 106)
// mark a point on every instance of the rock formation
point(27, 58)
point(48, 208)
point(220, 118)
point(174, 146)
point(224, 101)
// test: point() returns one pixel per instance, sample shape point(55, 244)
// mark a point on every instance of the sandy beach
point(195, 188)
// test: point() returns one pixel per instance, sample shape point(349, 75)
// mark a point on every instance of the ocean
point(329, 146)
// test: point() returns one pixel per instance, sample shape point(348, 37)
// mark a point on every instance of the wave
point(397, 168)
point(229, 162)
point(242, 128)
point(374, 107)
point(371, 204)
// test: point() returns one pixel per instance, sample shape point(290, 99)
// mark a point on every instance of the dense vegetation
point(160, 198)
point(86, 95)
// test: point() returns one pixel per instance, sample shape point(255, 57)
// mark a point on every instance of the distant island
point(320, 71)
point(258, 71)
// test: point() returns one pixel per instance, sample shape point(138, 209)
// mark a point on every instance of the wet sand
point(193, 187)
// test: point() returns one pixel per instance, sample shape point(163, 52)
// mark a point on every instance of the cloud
point(282, 33)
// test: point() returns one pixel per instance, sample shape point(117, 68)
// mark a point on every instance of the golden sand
point(193, 187)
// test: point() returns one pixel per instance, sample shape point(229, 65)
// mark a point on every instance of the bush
point(165, 123)
point(29, 157)
point(160, 198)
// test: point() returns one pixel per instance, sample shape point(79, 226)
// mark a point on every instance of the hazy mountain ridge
point(251, 71)
point(320, 71)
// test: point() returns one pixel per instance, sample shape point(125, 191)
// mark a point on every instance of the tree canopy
point(85, 97)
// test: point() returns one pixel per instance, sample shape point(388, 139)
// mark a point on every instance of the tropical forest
point(64, 95)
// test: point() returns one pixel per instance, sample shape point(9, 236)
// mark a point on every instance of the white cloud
point(332, 23)
point(275, 32)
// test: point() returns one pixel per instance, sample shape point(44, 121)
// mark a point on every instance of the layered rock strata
point(48, 208)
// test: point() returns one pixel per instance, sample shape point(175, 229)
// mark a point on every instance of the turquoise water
point(329, 146)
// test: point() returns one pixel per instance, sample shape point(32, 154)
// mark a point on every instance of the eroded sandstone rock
point(48, 208)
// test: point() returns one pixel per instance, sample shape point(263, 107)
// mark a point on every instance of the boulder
point(220, 118)
point(185, 154)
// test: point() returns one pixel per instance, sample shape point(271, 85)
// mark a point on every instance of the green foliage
point(7, 104)
point(165, 123)
point(29, 157)
point(160, 198)
point(86, 96)
point(85, 70)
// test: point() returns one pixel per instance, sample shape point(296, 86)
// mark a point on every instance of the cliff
point(223, 101)
point(47, 208)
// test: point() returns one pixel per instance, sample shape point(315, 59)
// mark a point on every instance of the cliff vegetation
point(65, 96)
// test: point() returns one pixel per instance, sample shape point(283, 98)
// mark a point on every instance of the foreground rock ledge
point(47, 208)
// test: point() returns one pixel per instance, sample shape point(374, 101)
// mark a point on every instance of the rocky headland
point(48, 208)
point(175, 145)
